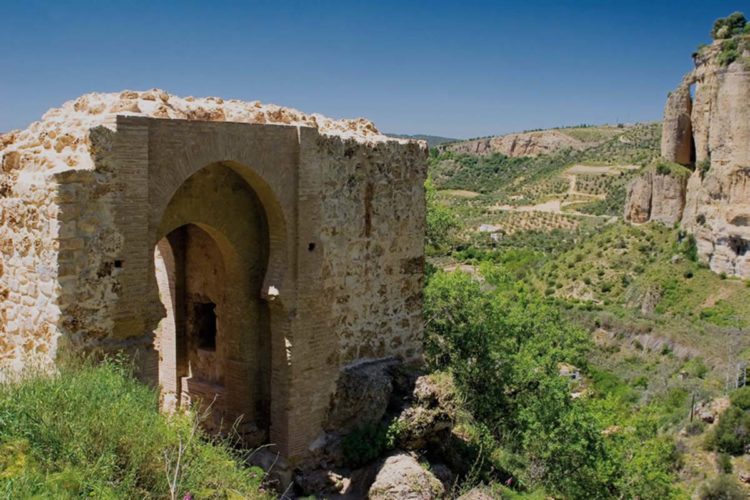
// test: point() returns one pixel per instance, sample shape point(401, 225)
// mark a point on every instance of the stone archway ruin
point(312, 228)
point(213, 342)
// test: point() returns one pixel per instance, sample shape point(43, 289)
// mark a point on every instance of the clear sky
point(459, 69)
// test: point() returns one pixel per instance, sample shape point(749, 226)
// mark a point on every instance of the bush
point(730, 51)
point(94, 431)
point(366, 443)
point(442, 224)
point(504, 353)
point(723, 463)
point(696, 367)
point(732, 433)
point(729, 26)
point(723, 487)
point(741, 398)
point(689, 247)
point(695, 427)
point(703, 167)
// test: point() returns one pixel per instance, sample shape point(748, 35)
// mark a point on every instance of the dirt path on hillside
point(556, 206)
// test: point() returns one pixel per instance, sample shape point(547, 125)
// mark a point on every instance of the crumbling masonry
point(242, 254)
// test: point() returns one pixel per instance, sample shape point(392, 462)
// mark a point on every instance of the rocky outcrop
point(401, 476)
point(362, 394)
point(677, 133)
point(709, 133)
point(523, 144)
point(658, 195)
point(478, 493)
point(638, 202)
point(717, 209)
point(428, 413)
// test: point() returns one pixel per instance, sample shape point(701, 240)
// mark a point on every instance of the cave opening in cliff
point(738, 245)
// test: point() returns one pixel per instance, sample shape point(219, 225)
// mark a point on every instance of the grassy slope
point(96, 432)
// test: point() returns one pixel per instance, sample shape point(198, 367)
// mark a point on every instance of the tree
point(441, 222)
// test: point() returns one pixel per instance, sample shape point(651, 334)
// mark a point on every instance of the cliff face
point(717, 209)
point(656, 197)
point(676, 135)
point(522, 144)
point(709, 133)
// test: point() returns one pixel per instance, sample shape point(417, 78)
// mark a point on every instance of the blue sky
point(459, 69)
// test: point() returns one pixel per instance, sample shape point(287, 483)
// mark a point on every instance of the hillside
point(541, 142)
point(666, 332)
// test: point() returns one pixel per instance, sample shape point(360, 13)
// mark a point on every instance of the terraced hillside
point(668, 334)
point(571, 184)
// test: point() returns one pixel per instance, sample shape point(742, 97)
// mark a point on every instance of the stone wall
point(28, 272)
point(367, 200)
point(343, 256)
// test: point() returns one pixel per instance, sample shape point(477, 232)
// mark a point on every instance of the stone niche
point(243, 266)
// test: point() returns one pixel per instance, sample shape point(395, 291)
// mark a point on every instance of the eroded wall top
point(60, 140)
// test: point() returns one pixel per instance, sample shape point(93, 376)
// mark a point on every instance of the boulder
point(363, 392)
point(278, 472)
point(322, 482)
point(427, 416)
point(400, 476)
point(479, 493)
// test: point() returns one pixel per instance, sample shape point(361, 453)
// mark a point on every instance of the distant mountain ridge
point(540, 142)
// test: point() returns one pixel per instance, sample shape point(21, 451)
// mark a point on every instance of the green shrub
point(703, 167)
point(442, 223)
point(696, 367)
point(732, 433)
point(366, 443)
point(695, 427)
point(641, 382)
point(504, 354)
point(673, 169)
point(741, 398)
point(688, 247)
point(94, 431)
point(727, 27)
point(723, 487)
point(730, 51)
point(723, 463)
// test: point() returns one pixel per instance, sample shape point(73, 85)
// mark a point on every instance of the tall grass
point(94, 431)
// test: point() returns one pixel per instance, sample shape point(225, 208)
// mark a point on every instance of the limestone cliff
point(521, 144)
point(657, 195)
point(707, 128)
point(717, 209)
